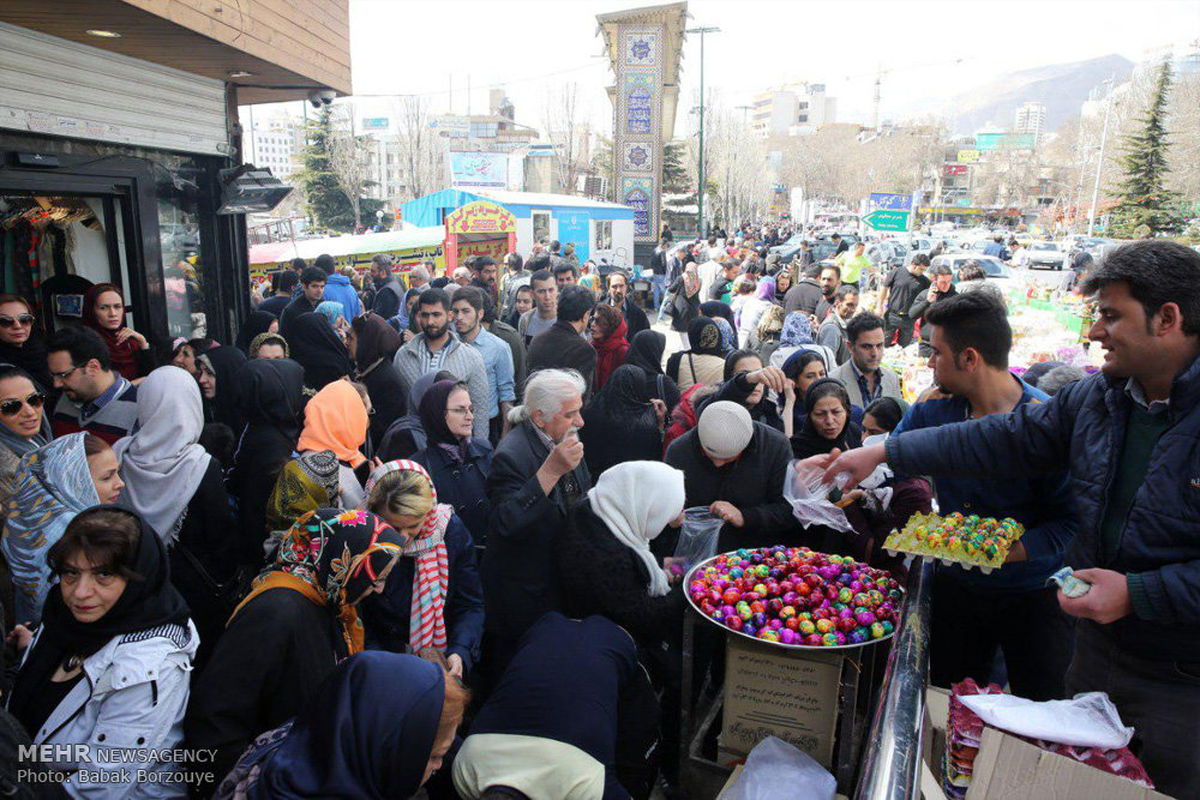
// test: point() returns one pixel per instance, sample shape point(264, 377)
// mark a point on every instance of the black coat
point(462, 484)
point(684, 309)
point(388, 299)
point(600, 575)
point(518, 565)
point(753, 484)
point(635, 318)
point(386, 616)
point(211, 537)
point(560, 347)
point(917, 311)
point(803, 297)
point(294, 309)
point(266, 667)
point(388, 397)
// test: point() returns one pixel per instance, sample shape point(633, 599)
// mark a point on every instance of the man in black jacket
point(562, 345)
point(537, 473)
point(618, 297)
point(313, 282)
point(389, 294)
point(737, 468)
point(941, 287)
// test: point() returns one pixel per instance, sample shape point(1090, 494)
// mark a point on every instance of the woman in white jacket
point(110, 666)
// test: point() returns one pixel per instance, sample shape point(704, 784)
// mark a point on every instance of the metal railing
point(892, 753)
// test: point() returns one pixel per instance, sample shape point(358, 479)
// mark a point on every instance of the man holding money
point(1129, 437)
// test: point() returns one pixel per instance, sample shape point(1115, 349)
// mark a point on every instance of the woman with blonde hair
point(432, 604)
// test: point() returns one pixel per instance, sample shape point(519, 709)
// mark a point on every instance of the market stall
point(407, 248)
point(480, 228)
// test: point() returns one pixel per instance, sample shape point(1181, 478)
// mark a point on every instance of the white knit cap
point(725, 429)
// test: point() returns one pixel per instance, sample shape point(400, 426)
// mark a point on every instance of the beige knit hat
point(725, 429)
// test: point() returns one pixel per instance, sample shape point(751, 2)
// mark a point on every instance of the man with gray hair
point(419, 276)
point(537, 474)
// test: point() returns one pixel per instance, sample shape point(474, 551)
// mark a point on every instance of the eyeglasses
point(10, 408)
point(62, 376)
point(19, 321)
point(466, 411)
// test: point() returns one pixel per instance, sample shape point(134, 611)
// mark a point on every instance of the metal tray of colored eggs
point(796, 598)
point(957, 540)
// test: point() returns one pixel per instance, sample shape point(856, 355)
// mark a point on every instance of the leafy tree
point(325, 200)
point(675, 178)
point(1145, 206)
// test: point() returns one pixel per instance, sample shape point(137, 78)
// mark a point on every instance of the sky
point(931, 50)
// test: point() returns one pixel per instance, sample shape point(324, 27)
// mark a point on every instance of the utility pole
point(700, 226)
point(1100, 164)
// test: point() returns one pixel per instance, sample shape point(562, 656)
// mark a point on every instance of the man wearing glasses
point(94, 397)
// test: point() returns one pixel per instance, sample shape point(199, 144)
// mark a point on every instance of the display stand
point(702, 775)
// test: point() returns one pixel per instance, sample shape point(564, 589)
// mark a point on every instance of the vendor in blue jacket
point(1130, 438)
point(973, 614)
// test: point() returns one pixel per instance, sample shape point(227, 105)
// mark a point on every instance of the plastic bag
point(698, 537)
point(1088, 720)
point(774, 764)
point(805, 488)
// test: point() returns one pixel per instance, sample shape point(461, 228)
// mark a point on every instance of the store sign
point(968, 156)
point(479, 169)
point(374, 123)
point(892, 202)
point(954, 170)
point(481, 217)
point(989, 142)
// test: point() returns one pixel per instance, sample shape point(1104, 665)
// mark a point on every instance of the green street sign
point(887, 220)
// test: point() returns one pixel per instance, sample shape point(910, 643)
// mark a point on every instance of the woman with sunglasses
point(23, 423)
point(110, 665)
point(104, 312)
point(53, 485)
point(21, 343)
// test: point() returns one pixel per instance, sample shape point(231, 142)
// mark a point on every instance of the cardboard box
point(772, 692)
point(1008, 768)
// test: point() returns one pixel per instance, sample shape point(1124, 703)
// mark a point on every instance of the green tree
point(1145, 205)
point(675, 178)
point(325, 201)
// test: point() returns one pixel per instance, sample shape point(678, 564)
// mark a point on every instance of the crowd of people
point(423, 531)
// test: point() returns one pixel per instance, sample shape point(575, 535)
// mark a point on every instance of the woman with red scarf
point(104, 312)
point(608, 331)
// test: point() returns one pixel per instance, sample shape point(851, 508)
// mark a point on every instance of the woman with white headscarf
point(178, 490)
point(604, 558)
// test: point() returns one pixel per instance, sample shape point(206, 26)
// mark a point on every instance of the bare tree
point(349, 161)
point(420, 150)
point(568, 136)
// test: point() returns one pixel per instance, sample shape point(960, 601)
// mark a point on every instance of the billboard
point(891, 202)
point(479, 170)
point(968, 156)
point(987, 142)
point(374, 123)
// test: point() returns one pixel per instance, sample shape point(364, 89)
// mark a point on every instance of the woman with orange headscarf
point(335, 421)
point(299, 620)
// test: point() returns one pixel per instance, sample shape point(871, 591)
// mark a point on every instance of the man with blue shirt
point(339, 289)
point(467, 310)
point(1011, 608)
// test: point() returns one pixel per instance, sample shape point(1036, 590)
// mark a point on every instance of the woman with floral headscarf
point(433, 603)
point(298, 621)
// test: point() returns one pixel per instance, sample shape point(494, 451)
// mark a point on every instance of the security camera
point(321, 97)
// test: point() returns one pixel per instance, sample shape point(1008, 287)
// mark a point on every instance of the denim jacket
point(130, 702)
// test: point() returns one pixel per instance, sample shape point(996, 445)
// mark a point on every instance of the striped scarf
point(431, 568)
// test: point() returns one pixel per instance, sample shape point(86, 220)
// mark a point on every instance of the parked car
point(1044, 255)
point(994, 268)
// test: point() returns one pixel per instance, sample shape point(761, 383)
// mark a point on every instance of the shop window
point(183, 267)
point(541, 225)
point(603, 234)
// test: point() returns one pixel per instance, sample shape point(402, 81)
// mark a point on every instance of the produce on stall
point(969, 541)
point(796, 597)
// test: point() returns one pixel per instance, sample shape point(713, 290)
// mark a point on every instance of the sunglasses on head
point(21, 320)
point(11, 407)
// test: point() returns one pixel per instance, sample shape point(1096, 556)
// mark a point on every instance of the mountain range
point(1061, 88)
